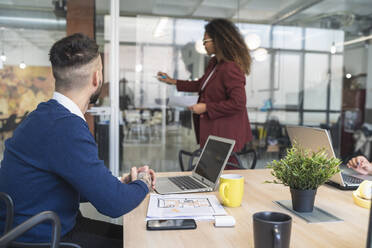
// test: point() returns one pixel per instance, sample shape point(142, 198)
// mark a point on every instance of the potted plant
point(304, 171)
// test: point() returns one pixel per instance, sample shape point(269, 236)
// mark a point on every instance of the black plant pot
point(303, 200)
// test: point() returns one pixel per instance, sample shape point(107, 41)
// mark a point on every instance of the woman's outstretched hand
point(163, 77)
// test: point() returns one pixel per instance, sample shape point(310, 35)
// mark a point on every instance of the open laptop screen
point(212, 159)
point(311, 138)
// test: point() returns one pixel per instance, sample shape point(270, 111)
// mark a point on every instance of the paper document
point(182, 101)
point(184, 206)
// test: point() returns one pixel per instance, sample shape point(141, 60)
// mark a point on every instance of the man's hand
point(360, 164)
point(143, 173)
point(198, 108)
point(147, 175)
point(131, 177)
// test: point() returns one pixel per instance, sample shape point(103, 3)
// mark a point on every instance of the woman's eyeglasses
point(206, 40)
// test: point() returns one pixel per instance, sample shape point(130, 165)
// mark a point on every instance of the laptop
point(205, 175)
point(315, 139)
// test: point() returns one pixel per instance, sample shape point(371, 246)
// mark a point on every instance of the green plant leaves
point(304, 169)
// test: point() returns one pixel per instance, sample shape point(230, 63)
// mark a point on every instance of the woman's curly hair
point(229, 43)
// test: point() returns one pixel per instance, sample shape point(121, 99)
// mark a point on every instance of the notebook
point(205, 175)
point(315, 139)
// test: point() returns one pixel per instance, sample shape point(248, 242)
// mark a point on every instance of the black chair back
point(9, 210)
point(10, 124)
point(13, 234)
point(237, 155)
point(9, 235)
point(22, 118)
point(250, 155)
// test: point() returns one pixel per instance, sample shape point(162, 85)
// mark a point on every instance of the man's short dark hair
point(69, 56)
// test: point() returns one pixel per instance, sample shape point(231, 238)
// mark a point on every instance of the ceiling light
point(22, 65)
point(253, 41)
point(138, 68)
point(199, 47)
point(3, 57)
point(260, 54)
point(348, 75)
point(333, 48)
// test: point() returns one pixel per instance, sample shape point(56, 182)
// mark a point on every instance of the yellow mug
point(231, 189)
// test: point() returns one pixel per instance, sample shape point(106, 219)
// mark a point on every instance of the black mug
point(271, 230)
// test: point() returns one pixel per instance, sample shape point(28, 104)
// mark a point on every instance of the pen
point(163, 77)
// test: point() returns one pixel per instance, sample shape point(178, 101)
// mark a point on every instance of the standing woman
point(221, 108)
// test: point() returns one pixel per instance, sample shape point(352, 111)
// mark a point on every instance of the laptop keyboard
point(186, 182)
point(350, 179)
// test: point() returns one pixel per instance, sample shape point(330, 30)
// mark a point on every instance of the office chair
point(236, 155)
point(9, 125)
point(11, 234)
point(276, 133)
point(22, 118)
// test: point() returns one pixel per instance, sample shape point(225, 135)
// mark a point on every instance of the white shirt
point(68, 103)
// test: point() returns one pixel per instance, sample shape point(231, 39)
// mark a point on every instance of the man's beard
point(93, 98)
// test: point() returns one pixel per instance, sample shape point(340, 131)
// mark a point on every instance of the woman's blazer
point(225, 98)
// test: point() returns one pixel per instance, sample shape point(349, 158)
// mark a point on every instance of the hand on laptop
point(143, 173)
point(361, 165)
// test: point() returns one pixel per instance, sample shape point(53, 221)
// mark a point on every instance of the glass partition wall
point(154, 130)
point(26, 36)
point(297, 76)
point(28, 29)
point(292, 66)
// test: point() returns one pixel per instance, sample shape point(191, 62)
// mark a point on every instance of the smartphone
point(171, 224)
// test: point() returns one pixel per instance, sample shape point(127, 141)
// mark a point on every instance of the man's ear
point(95, 79)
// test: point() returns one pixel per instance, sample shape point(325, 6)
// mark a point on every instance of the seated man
point(51, 162)
point(361, 165)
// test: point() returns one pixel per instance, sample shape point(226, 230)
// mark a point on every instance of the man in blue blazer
point(51, 162)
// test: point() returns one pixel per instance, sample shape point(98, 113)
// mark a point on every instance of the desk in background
point(350, 233)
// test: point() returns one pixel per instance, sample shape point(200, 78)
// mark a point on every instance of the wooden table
point(352, 232)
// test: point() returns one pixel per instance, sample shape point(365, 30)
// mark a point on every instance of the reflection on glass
point(188, 30)
point(260, 54)
point(287, 76)
point(262, 31)
point(287, 37)
point(152, 43)
point(337, 62)
point(334, 118)
point(253, 41)
point(317, 39)
point(287, 118)
point(314, 119)
point(316, 80)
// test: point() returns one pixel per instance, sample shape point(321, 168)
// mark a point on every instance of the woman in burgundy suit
point(221, 108)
